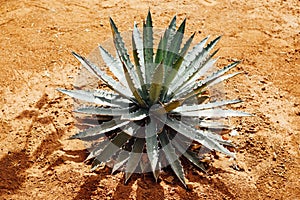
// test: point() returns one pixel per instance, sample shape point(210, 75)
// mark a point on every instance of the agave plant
point(157, 108)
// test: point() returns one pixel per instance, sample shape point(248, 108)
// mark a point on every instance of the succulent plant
point(157, 109)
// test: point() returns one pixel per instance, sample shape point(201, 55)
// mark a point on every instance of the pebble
point(233, 133)
point(274, 156)
point(263, 82)
point(169, 179)
point(189, 186)
point(172, 192)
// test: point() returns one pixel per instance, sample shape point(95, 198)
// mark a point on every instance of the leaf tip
point(77, 56)
point(71, 137)
point(193, 35)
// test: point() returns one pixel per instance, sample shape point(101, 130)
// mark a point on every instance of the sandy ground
point(38, 162)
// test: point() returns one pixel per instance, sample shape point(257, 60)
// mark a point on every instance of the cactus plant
point(157, 108)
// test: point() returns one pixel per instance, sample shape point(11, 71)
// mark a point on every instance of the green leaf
point(197, 135)
point(172, 55)
point(160, 50)
point(134, 157)
point(144, 164)
point(135, 115)
point(221, 79)
point(212, 135)
point(183, 71)
point(202, 85)
point(176, 65)
point(120, 45)
point(186, 46)
point(111, 99)
point(197, 67)
point(89, 66)
point(125, 59)
point(172, 157)
point(187, 108)
point(113, 147)
point(215, 78)
point(104, 111)
point(131, 128)
point(121, 160)
point(148, 47)
point(192, 157)
point(83, 95)
point(173, 105)
point(212, 128)
point(156, 84)
point(173, 50)
point(114, 65)
point(207, 65)
point(220, 72)
point(166, 108)
point(182, 53)
point(90, 121)
point(109, 81)
point(213, 125)
point(98, 149)
point(170, 33)
point(138, 54)
point(101, 97)
point(165, 41)
point(152, 145)
point(100, 129)
point(95, 164)
point(211, 113)
point(133, 88)
point(213, 144)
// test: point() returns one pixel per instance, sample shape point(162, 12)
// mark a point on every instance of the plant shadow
point(214, 184)
point(90, 186)
point(13, 168)
point(13, 165)
point(143, 186)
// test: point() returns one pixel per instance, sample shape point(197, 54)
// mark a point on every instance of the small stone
point(233, 133)
point(189, 186)
point(172, 192)
point(274, 156)
point(263, 82)
point(237, 167)
point(169, 179)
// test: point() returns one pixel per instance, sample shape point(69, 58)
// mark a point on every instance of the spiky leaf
point(192, 157)
point(148, 47)
point(98, 149)
point(156, 84)
point(152, 145)
point(172, 157)
point(121, 160)
point(100, 129)
point(111, 83)
point(93, 110)
point(138, 54)
point(187, 108)
point(134, 157)
point(114, 66)
point(113, 147)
